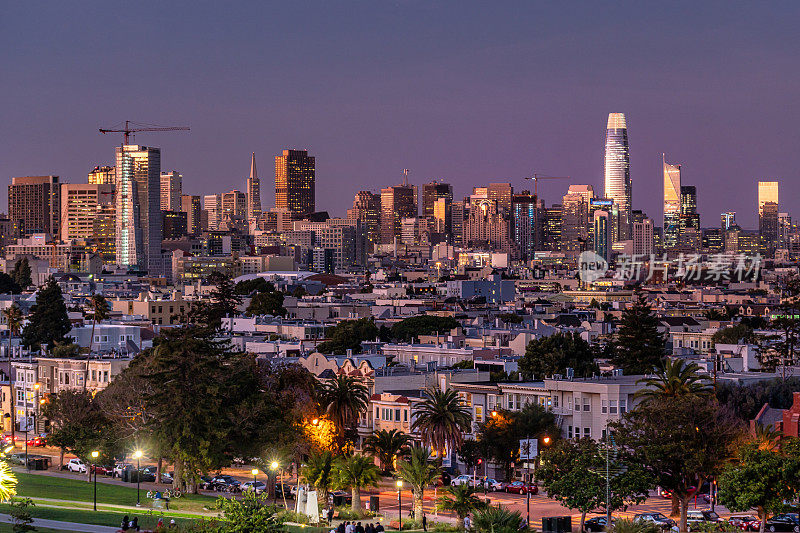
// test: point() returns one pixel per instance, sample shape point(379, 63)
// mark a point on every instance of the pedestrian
point(348, 527)
point(340, 528)
point(330, 515)
point(160, 523)
point(369, 528)
point(379, 528)
point(124, 525)
point(135, 524)
point(359, 528)
point(173, 524)
point(424, 522)
point(467, 523)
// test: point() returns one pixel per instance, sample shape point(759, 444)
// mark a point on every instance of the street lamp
point(399, 504)
point(255, 473)
point(494, 414)
point(95, 455)
point(138, 455)
point(315, 422)
point(274, 465)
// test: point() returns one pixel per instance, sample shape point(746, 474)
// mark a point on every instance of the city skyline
point(388, 106)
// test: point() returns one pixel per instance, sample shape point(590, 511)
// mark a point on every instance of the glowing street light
point(138, 455)
point(95, 455)
point(399, 484)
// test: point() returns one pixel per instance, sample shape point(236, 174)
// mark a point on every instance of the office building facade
point(171, 191)
point(34, 204)
point(295, 182)
point(253, 192)
point(672, 203)
point(397, 203)
point(103, 175)
point(768, 213)
point(139, 208)
point(190, 205)
point(81, 204)
point(617, 173)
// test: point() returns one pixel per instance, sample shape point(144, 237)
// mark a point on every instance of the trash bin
point(556, 524)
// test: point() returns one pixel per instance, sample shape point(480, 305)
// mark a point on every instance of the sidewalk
point(67, 526)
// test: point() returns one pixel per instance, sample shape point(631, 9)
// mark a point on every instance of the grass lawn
point(9, 528)
point(102, 518)
point(38, 486)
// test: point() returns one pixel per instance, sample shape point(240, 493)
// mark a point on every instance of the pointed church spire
point(253, 172)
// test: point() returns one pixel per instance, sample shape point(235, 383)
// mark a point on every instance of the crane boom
point(127, 130)
point(536, 177)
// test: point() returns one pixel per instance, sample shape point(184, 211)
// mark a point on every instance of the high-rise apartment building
point(367, 209)
point(295, 182)
point(502, 193)
point(643, 242)
point(190, 205)
point(34, 204)
point(672, 203)
point(768, 213)
point(212, 204)
point(171, 191)
point(785, 230)
point(689, 218)
point(139, 208)
point(601, 237)
point(727, 220)
point(81, 203)
point(617, 173)
point(487, 226)
point(551, 229)
point(458, 214)
point(525, 214)
point(433, 191)
point(253, 191)
point(397, 203)
point(574, 230)
point(104, 175)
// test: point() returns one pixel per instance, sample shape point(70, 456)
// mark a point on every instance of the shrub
point(622, 525)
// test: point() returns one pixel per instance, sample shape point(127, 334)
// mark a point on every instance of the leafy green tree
point(675, 378)
point(441, 419)
point(267, 303)
point(343, 399)
point(22, 273)
point(205, 401)
point(746, 400)
point(354, 472)
point(788, 321)
point(418, 472)
point(554, 354)
point(573, 472)
point(387, 446)
point(8, 285)
point(318, 472)
point(497, 519)
point(500, 434)
point(348, 335)
point(760, 479)
point(100, 311)
point(415, 326)
point(738, 333)
point(48, 322)
point(510, 318)
point(460, 500)
point(225, 301)
point(13, 316)
point(638, 346)
point(470, 453)
point(681, 441)
point(21, 518)
point(253, 286)
point(250, 514)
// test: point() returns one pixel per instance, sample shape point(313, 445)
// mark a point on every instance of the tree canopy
point(414, 326)
point(554, 354)
point(48, 322)
point(348, 335)
point(638, 345)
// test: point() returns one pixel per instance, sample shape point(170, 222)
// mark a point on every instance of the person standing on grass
point(424, 522)
point(124, 525)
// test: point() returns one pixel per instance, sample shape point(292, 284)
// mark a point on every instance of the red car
point(37, 441)
point(519, 487)
point(744, 523)
point(103, 470)
point(8, 439)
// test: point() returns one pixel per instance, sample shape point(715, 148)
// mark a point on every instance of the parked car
point(744, 523)
point(701, 516)
point(76, 465)
point(596, 524)
point(225, 484)
point(519, 487)
point(463, 479)
point(9, 439)
point(118, 469)
point(492, 485)
point(103, 470)
point(148, 474)
point(284, 490)
point(783, 522)
point(657, 518)
point(259, 487)
point(37, 441)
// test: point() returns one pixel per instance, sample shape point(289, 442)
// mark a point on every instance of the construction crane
point(536, 177)
point(128, 130)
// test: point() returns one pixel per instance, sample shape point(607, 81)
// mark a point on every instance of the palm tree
point(343, 398)
point(418, 472)
point(441, 419)
point(675, 378)
point(354, 472)
point(461, 500)
point(497, 520)
point(13, 316)
point(100, 311)
point(318, 473)
point(767, 438)
point(387, 446)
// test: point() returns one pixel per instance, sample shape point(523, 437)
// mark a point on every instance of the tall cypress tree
point(48, 322)
point(638, 346)
point(22, 273)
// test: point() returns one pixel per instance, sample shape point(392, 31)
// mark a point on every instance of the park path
point(67, 526)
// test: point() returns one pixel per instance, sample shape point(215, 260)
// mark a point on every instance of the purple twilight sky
point(462, 91)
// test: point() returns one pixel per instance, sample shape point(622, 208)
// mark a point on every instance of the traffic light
point(480, 462)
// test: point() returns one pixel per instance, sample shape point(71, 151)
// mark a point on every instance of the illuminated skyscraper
point(367, 209)
point(602, 234)
point(727, 220)
point(190, 205)
point(253, 191)
point(212, 205)
point(139, 207)
point(672, 203)
point(768, 213)
point(34, 204)
point(171, 190)
point(527, 223)
point(103, 175)
point(433, 191)
point(295, 182)
point(690, 218)
point(574, 225)
point(397, 203)
point(617, 172)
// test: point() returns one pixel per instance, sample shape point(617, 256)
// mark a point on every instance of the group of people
point(356, 527)
point(133, 525)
